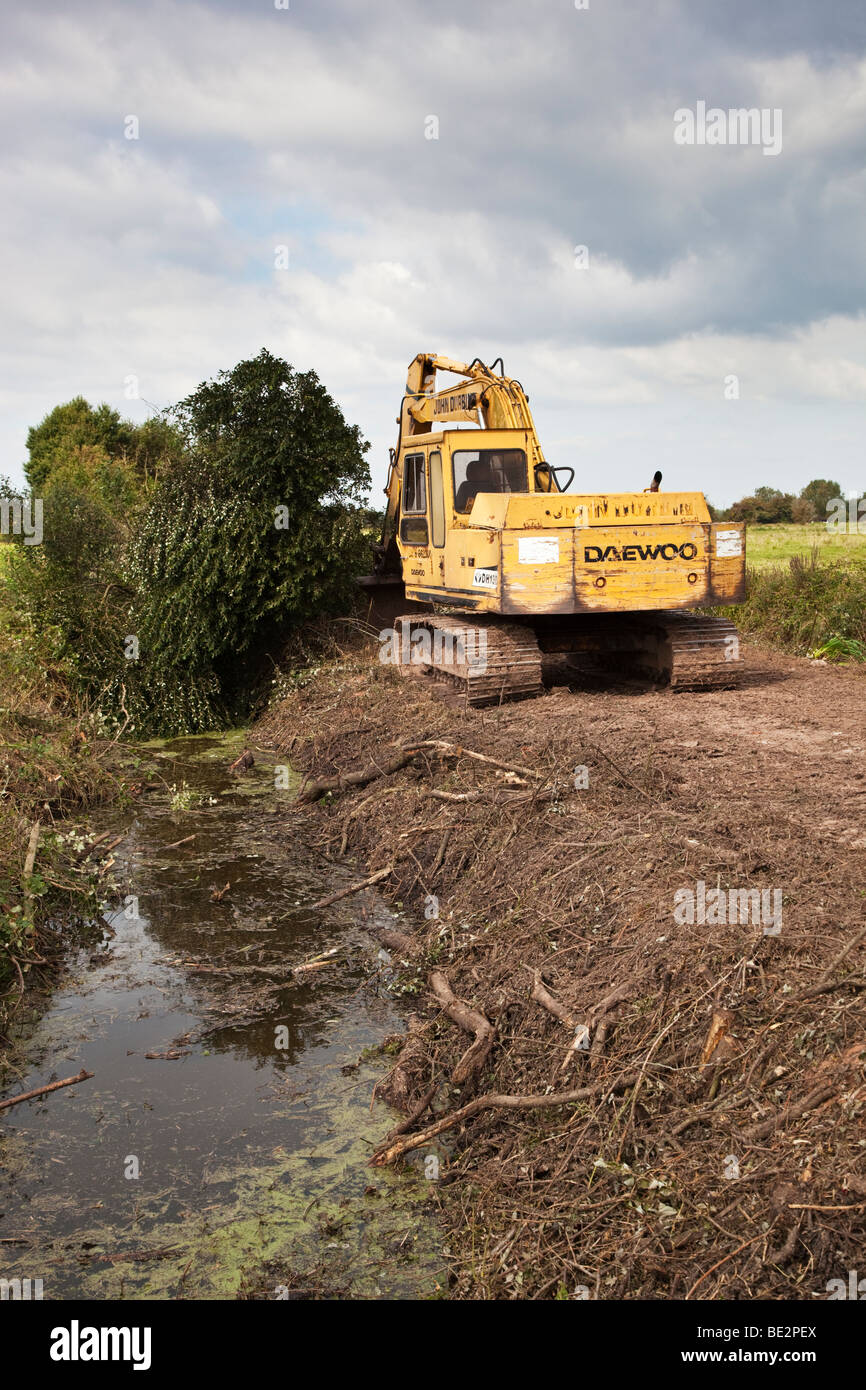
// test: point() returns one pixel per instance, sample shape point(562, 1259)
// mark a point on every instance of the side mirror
point(547, 477)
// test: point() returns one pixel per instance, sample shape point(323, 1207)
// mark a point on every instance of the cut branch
point(43, 1090)
point(456, 750)
point(318, 786)
point(498, 1102)
point(352, 888)
point(816, 1097)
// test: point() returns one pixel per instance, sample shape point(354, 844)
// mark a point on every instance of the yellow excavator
point(494, 572)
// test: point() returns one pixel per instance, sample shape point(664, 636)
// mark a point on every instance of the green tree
point(819, 492)
point(91, 471)
point(70, 587)
point(73, 431)
point(67, 428)
point(768, 506)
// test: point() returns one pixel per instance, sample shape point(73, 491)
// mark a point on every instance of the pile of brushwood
point(624, 1105)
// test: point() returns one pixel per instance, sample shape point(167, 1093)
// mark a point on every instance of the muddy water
point(233, 1161)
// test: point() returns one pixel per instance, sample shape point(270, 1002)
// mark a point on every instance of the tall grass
point(807, 606)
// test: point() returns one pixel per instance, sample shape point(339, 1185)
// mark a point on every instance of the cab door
point(436, 517)
point(415, 522)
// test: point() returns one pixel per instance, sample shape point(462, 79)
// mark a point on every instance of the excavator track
point(486, 662)
point(684, 651)
point(700, 653)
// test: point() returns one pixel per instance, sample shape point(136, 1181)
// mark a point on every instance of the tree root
point(471, 1021)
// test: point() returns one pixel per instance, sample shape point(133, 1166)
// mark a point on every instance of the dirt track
point(715, 1148)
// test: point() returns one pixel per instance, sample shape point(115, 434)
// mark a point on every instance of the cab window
point(487, 470)
point(414, 488)
point(413, 504)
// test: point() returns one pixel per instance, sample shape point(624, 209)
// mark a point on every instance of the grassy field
point(773, 545)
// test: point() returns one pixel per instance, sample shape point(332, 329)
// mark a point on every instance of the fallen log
point(44, 1090)
point(318, 786)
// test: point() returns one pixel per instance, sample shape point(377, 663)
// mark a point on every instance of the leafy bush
point(258, 529)
point(840, 649)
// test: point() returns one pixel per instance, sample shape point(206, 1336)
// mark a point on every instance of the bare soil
point(706, 1137)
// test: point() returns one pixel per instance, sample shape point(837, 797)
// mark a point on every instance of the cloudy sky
point(155, 258)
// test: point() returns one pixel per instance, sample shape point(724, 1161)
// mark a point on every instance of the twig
point(718, 1263)
point(641, 1075)
point(807, 1206)
point(43, 1090)
point(353, 888)
point(177, 843)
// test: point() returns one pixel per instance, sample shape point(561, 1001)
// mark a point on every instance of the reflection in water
point(249, 1125)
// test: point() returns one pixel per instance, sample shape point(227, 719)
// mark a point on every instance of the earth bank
point(619, 1103)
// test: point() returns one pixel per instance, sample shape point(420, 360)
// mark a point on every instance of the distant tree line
point(769, 506)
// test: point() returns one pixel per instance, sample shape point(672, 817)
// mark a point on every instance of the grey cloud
point(555, 129)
